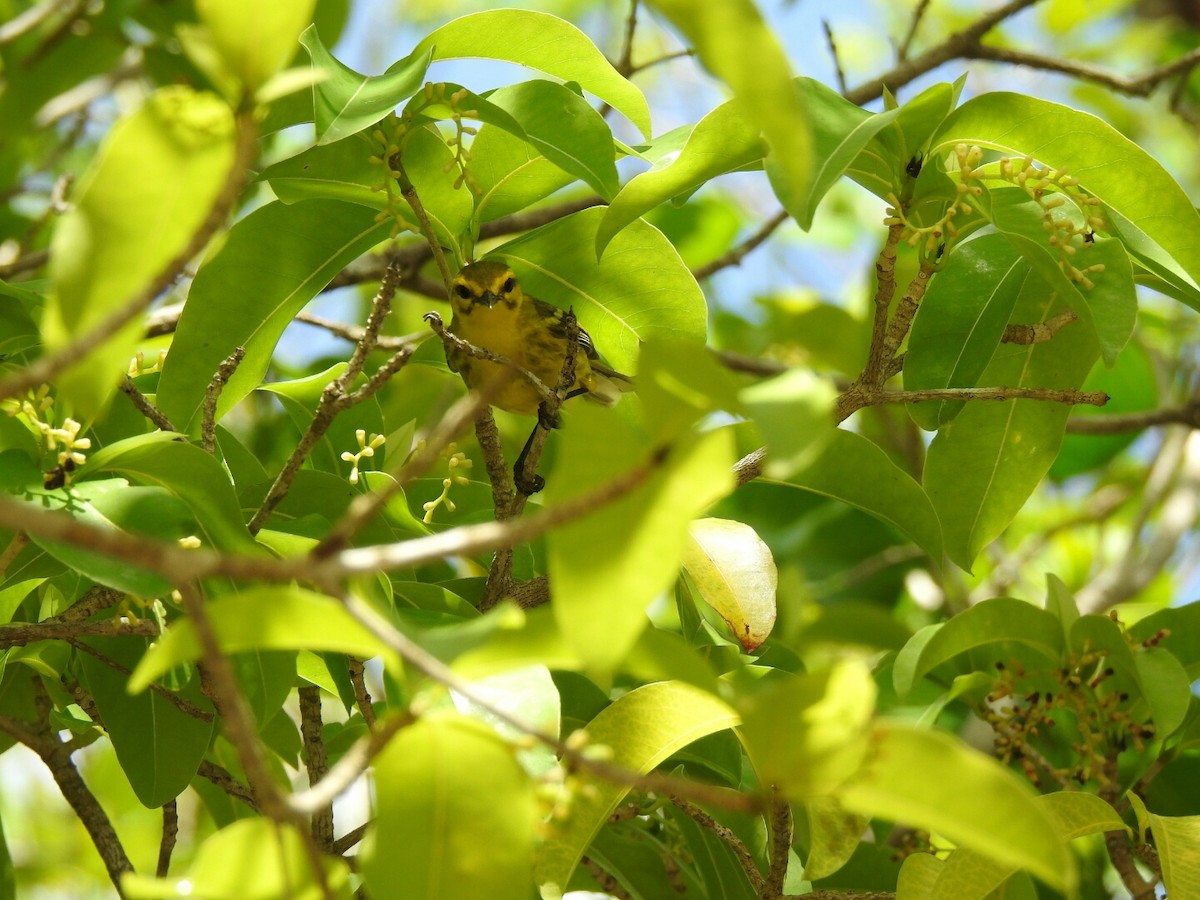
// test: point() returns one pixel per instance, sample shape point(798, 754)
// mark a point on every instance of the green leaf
point(1152, 212)
point(735, 574)
point(794, 413)
point(737, 45)
point(620, 557)
point(266, 618)
point(455, 815)
point(252, 859)
point(641, 729)
point(1177, 839)
point(565, 128)
point(982, 467)
point(1165, 687)
point(346, 102)
point(722, 141)
point(509, 173)
point(147, 192)
point(255, 40)
point(188, 473)
point(990, 622)
point(639, 290)
point(856, 471)
point(1078, 813)
point(99, 567)
point(158, 744)
point(974, 801)
point(339, 171)
point(960, 322)
point(836, 149)
point(833, 836)
point(237, 301)
point(543, 42)
point(806, 734)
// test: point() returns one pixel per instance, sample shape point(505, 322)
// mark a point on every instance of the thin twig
point(365, 507)
point(1039, 332)
point(913, 25)
point(42, 740)
point(208, 422)
point(885, 290)
point(1118, 423)
point(735, 256)
point(833, 52)
point(337, 395)
point(186, 565)
point(144, 406)
point(728, 837)
point(362, 697)
point(409, 193)
point(1071, 396)
point(184, 706)
point(1136, 86)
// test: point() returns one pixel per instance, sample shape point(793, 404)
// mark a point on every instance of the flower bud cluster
point(63, 440)
point(1054, 189)
point(456, 465)
point(1097, 716)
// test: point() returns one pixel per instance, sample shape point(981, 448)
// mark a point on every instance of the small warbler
point(491, 311)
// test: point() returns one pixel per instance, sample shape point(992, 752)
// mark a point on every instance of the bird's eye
point(463, 291)
point(508, 285)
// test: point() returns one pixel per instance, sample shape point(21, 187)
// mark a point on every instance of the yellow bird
point(491, 311)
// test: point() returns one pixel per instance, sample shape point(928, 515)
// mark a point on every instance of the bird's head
point(488, 284)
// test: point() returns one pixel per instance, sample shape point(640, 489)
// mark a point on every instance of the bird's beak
point(488, 299)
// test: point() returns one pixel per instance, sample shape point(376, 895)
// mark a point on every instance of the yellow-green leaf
point(735, 574)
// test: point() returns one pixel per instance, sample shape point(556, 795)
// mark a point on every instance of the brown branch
point(780, 814)
point(625, 62)
point(19, 542)
point(504, 498)
point(170, 833)
point(221, 777)
point(1136, 86)
point(144, 406)
point(1117, 423)
point(728, 837)
point(88, 605)
point(885, 290)
point(18, 634)
point(735, 256)
point(47, 367)
point(954, 47)
point(349, 840)
point(854, 400)
point(409, 193)
point(56, 756)
point(186, 565)
point(184, 706)
point(337, 396)
point(208, 422)
point(750, 466)
point(30, 261)
point(355, 332)
point(236, 718)
point(902, 320)
point(362, 697)
point(316, 760)
point(1040, 332)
